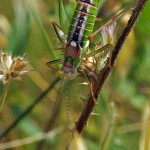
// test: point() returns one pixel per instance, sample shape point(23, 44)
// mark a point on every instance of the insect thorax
point(71, 58)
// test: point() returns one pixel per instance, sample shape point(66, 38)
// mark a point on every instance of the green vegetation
point(122, 117)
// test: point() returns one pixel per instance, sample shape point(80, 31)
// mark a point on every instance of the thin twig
point(28, 110)
point(48, 127)
point(53, 117)
point(34, 138)
point(3, 97)
point(88, 109)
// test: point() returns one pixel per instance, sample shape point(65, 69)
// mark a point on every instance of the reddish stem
point(88, 109)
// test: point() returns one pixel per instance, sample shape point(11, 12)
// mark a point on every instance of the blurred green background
point(122, 119)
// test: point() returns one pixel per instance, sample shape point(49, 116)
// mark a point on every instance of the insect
point(80, 36)
point(81, 27)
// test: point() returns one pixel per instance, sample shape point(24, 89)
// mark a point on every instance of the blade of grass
point(63, 19)
point(4, 94)
point(145, 133)
point(37, 19)
point(69, 9)
point(31, 139)
point(28, 110)
point(17, 39)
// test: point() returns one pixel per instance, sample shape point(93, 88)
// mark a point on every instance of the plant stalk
point(102, 76)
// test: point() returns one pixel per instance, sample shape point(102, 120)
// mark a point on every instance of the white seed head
point(108, 34)
point(11, 68)
point(89, 63)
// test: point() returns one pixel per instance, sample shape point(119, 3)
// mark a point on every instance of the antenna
point(55, 104)
point(53, 111)
point(67, 107)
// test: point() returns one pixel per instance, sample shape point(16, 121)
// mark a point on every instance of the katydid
point(80, 36)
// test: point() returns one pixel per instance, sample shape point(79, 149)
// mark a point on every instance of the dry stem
point(88, 109)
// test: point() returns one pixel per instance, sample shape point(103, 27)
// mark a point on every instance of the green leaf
point(63, 19)
point(70, 9)
point(27, 125)
point(39, 23)
point(17, 39)
point(143, 23)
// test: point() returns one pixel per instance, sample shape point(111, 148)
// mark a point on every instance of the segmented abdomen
point(83, 21)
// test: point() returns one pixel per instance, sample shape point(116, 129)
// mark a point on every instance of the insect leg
point(97, 51)
point(112, 20)
point(91, 86)
point(56, 61)
point(60, 34)
point(106, 47)
point(98, 19)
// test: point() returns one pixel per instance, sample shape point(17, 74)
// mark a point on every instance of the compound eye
point(14, 74)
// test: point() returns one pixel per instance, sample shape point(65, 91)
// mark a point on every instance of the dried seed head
point(11, 68)
point(89, 63)
point(107, 39)
point(108, 34)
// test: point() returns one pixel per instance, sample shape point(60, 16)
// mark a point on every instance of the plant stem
point(3, 97)
point(102, 76)
point(28, 110)
point(32, 139)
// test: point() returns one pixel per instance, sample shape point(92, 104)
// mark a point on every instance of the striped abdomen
point(83, 21)
point(80, 29)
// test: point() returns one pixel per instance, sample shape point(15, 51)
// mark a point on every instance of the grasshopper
point(79, 37)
